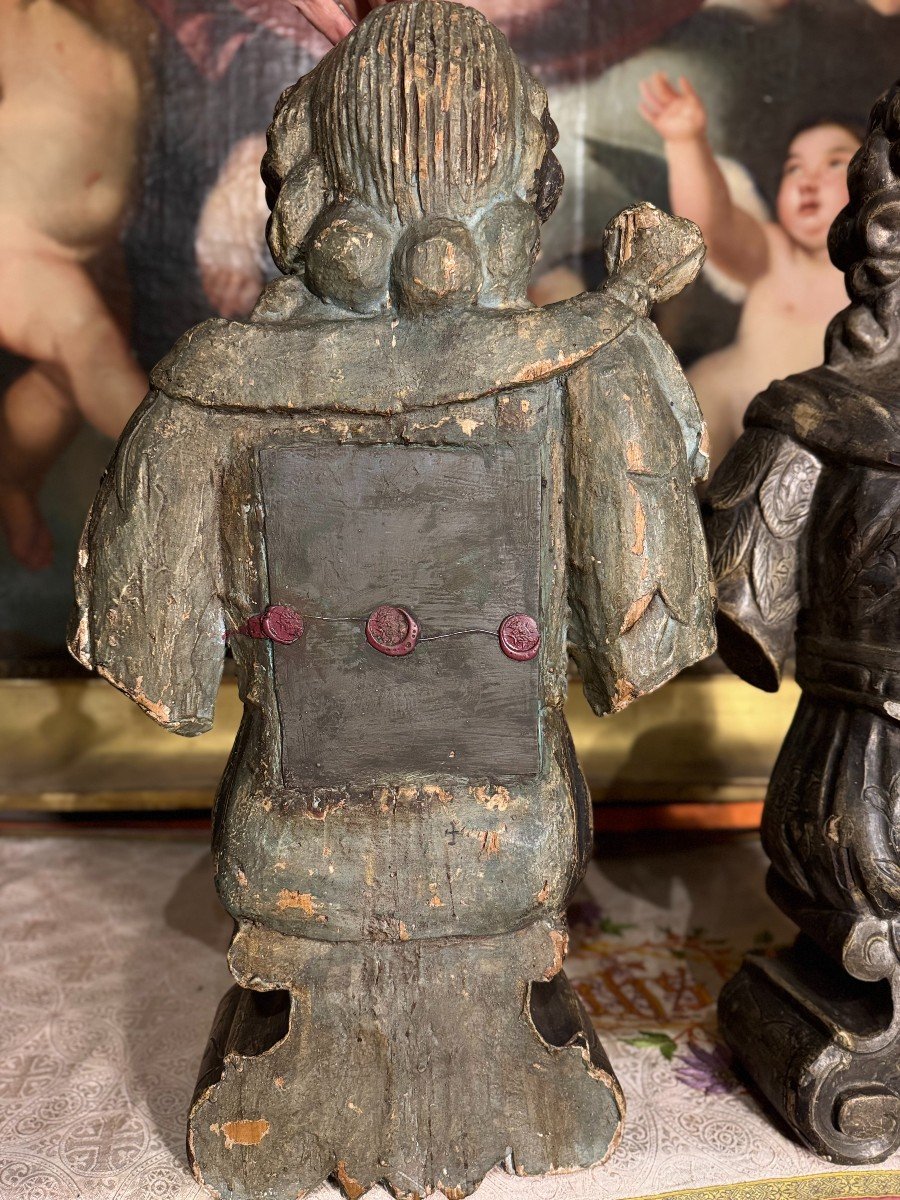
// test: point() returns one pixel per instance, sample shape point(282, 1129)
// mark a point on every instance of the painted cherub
point(70, 82)
point(793, 290)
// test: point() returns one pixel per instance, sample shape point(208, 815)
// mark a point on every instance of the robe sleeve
point(640, 593)
point(148, 613)
point(756, 514)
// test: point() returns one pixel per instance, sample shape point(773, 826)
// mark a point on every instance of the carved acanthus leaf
point(870, 574)
point(774, 577)
point(743, 467)
point(787, 490)
point(730, 532)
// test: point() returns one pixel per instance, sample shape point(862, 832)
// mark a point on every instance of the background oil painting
point(131, 205)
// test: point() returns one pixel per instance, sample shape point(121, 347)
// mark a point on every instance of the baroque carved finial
point(865, 244)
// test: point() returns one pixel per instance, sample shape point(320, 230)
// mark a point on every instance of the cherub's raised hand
point(676, 113)
point(335, 18)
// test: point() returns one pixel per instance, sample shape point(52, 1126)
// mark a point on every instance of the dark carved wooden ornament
point(400, 493)
point(804, 529)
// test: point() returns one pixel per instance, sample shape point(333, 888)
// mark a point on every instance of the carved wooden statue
point(397, 493)
point(804, 529)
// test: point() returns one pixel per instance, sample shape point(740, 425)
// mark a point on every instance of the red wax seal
point(392, 630)
point(519, 637)
point(280, 624)
point(252, 627)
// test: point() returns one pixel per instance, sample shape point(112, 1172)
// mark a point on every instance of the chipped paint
point(158, 711)
point(634, 457)
point(490, 843)
point(404, 932)
point(305, 901)
point(806, 418)
point(623, 695)
point(497, 800)
point(560, 941)
point(514, 412)
point(435, 902)
point(422, 427)
point(636, 611)
point(431, 791)
point(80, 641)
point(243, 1132)
point(351, 1187)
point(541, 368)
point(640, 522)
point(544, 894)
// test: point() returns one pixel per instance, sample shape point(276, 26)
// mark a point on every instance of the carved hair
point(387, 164)
point(864, 242)
point(416, 112)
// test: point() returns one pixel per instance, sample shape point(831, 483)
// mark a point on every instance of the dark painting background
point(216, 69)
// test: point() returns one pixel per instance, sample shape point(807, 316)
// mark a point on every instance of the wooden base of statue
point(419, 1064)
point(817, 1027)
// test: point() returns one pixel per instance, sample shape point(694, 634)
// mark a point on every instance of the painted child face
point(814, 183)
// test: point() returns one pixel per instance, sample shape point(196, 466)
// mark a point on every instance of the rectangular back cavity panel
point(452, 536)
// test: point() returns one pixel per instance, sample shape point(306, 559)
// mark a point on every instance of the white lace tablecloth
point(112, 961)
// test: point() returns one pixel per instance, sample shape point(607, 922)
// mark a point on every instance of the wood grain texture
point(423, 1035)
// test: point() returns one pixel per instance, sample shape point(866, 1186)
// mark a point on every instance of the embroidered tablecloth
point(112, 961)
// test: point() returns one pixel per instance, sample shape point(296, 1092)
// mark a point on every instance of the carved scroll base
point(822, 1041)
point(419, 1064)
